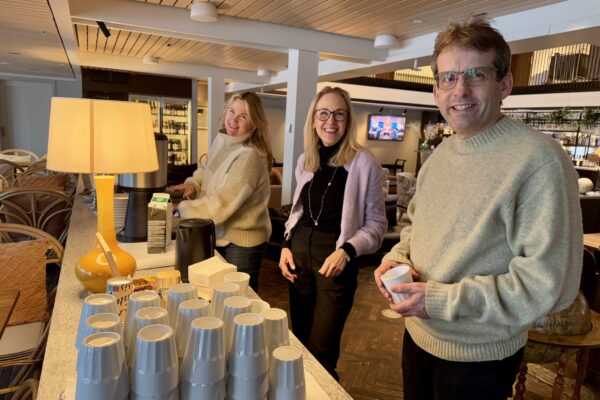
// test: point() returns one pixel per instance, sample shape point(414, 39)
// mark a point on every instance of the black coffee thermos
point(195, 242)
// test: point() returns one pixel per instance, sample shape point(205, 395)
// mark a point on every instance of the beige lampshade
point(100, 136)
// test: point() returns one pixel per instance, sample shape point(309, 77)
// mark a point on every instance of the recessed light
point(417, 21)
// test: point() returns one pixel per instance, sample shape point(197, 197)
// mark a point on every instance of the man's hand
point(334, 264)
point(187, 189)
point(414, 305)
point(286, 264)
point(382, 269)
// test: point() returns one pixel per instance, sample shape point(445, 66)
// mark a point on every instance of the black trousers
point(319, 306)
point(426, 377)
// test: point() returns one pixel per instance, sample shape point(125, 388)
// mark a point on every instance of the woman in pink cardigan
point(338, 214)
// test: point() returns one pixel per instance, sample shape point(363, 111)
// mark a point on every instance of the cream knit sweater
point(496, 234)
point(233, 190)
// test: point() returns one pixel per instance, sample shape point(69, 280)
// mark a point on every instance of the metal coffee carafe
point(195, 242)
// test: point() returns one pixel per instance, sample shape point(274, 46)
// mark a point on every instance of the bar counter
point(60, 359)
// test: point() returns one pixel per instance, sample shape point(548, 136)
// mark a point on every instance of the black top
point(326, 191)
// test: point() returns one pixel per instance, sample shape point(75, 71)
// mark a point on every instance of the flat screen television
point(386, 127)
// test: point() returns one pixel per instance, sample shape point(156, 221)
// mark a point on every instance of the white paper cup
point(195, 391)
point(94, 304)
point(232, 306)
point(286, 375)
point(189, 310)
point(399, 274)
point(145, 317)
point(247, 388)
point(248, 357)
point(101, 370)
point(179, 293)
point(258, 306)
point(155, 369)
point(220, 293)
point(121, 287)
point(101, 322)
point(204, 361)
point(137, 301)
point(241, 278)
point(276, 329)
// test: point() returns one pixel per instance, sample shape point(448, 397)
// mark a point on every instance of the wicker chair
point(26, 365)
point(44, 209)
point(9, 170)
point(20, 152)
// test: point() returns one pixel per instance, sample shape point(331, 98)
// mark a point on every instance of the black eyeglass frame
point(469, 74)
point(343, 116)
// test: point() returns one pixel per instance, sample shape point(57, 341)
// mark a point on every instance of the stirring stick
point(108, 254)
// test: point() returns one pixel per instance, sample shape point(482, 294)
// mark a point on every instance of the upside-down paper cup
point(137, 301)
point(94, 304)
point(241, 278)
point(179, 293)
point(276, 329)
point(204, 361)
point(222, 291)
point(145, 317)
point(189, 310)
point(101, 322)
point(232, 306)
point(286, 375)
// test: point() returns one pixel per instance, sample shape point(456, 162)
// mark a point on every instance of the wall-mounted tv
point(386, 127)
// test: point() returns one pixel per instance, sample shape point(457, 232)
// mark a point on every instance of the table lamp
point(101, 137)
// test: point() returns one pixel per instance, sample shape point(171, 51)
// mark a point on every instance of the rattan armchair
point(20, 152)
point(44, 209)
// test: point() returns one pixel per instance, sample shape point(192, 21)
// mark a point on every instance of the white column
point(216, 101)
point(302, 86)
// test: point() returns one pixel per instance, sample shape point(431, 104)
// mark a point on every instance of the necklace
point(316, 220)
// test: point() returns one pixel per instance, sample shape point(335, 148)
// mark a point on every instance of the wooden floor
point(369, 366)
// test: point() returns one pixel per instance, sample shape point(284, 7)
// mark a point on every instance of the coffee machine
point(140, 188)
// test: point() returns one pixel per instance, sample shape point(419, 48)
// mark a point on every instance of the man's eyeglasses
point(323, 114)
point(473, 77)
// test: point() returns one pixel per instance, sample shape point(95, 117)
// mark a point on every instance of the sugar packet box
point(160, 220)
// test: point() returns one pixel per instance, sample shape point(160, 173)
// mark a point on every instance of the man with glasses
point(496, 237)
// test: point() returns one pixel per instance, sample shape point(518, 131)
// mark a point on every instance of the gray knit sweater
point(233, 190)
point(496, 234)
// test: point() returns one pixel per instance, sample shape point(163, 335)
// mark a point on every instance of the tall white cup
point(241, 278)
point(258, 306)
point(189, 310)
point(137, 301)
point(179, 293)
point(222, 291)
point(286, 375)
point(399, 274)
point(101, 369)
point(94, 304)
point(155, 371)
point(276, 329)
point(232, 306)
point(204, 362)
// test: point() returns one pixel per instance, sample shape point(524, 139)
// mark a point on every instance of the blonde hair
point(260, 138)
point(348, 146)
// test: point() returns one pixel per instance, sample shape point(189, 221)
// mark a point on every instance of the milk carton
point(160, 220)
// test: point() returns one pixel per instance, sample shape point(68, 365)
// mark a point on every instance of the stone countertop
point(60, 359)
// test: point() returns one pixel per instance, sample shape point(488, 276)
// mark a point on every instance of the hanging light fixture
point(204, 11)
point(263, 73)
point(385, 41)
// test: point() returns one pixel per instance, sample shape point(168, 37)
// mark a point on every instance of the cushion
point(54, 182)
point(23, 267)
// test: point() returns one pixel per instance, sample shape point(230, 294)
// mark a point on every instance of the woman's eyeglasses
point(473, 77)
point(323, 114)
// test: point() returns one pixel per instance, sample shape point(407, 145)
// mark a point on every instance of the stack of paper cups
point(94, 304)
point(101, 370)
point(189, 310)
point(276, 329)
point(177, 294)
point(248, 362)
point(145, 317)
point(241, 278)
point(155, 371)
point(137, 301)
point(204, 363)
point(101, 322)
point(220, 293)
point(232, 306)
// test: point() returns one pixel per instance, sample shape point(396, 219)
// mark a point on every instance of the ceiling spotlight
point(103, 28)
point(204, 11)
point(385, 41)
point(417, 21)
point(263, 73)
point(148, 59)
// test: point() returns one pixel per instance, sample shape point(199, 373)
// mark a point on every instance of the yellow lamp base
point(93, 271)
